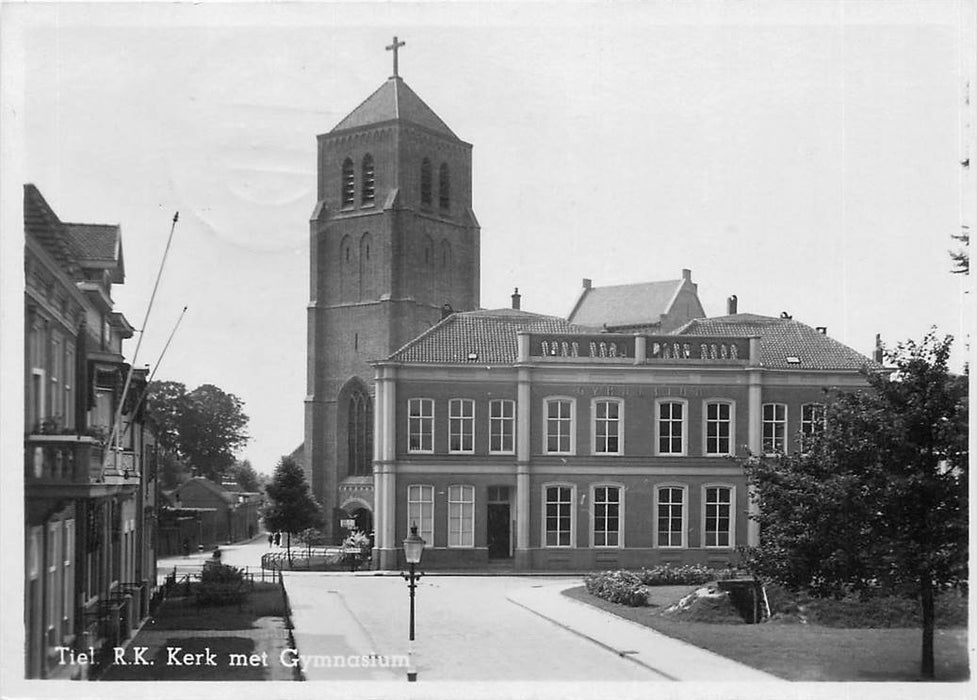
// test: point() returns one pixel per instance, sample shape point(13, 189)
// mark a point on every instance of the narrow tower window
point(360, 433)
point(426, 182)
point(369, 184)
point(444, 187)
point(349, 183)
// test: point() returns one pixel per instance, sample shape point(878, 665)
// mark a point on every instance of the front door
point(498, 522)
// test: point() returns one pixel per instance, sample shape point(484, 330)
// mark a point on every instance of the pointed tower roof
point(394, 101)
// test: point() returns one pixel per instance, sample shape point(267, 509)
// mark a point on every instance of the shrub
point(221, 584)
point(620, 586)
point(686, 575)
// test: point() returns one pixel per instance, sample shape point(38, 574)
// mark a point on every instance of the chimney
point(516, 297)
point(823, 330)
point(879, 354)
point(687, 275)
point(587, 283)
point(446, 310)
point(731, 305)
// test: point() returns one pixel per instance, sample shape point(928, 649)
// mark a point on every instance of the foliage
point(619, 586)
point(291, 507)
point(356, 548)
point(221, 584)
point(879, 502)
point(687, 574)
point(245, 475)
point(961, 257)
point(203, 427)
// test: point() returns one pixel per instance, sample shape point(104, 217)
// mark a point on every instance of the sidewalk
point(672, 658)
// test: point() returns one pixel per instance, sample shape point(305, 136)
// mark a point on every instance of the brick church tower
point(394, 244)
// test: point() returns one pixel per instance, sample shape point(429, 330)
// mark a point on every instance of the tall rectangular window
point(69, 388)
point(608, 426)
point(607, 516)
point(502, 426)
point(671, 516)
point(774, 428)
point(54, 378)
point(461, 516)
point(671, 428)
point(812, 422)
point(420, 425)
point(68, 580)
point(717, 509)
point(53, 589)
point(559, 516)
point(420, 511)
point(718, 428)
point(461, 425)
point(559, 426)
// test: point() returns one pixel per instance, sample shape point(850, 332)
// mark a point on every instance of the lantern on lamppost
point(413, 547)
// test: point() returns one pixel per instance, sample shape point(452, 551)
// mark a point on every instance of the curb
point(602, 645)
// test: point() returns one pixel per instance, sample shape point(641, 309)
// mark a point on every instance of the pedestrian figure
point(271, 539)
point(278, 539)
point(186, 547)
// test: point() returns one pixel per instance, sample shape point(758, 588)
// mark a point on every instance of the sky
point(803, 156)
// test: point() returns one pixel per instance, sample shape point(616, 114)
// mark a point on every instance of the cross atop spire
point(393, 47)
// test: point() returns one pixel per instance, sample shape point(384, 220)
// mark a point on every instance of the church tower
point(394, 245)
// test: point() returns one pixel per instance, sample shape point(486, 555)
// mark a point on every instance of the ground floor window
point(559, 515)
point(670, 504)
point(717, 509)
point(461, 516)
point(607, 516)
point(420, 511)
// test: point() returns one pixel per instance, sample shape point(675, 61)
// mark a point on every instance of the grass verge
point(802, 652)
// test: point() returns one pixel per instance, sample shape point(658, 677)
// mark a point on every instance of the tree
point(246, 477)
point(878, 504)
point(203, 427)
point(961, 257)
point(291, 507)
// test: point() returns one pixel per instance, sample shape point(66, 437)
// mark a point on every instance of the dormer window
point(444, 187)
point(368, 192)
point(426, 186)
point(349, 183)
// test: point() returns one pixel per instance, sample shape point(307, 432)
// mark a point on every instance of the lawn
point(803, 652)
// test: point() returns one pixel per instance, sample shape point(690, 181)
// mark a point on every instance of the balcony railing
point(62, 459)
point(641, 349)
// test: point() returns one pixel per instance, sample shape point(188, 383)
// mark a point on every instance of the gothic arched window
point(426, 186)
point(349, 183)
point(368, 190)
point(444, 187)
point(359, 433)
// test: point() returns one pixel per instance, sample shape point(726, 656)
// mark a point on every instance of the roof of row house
point(784, 342)
point(83, 245)
point(490, 337)
point(394, 101)
point(482, 337)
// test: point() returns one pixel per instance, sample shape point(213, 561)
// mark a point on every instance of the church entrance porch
point(498, 523)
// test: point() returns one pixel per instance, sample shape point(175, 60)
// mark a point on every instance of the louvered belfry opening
point(369, 182)
point(444, 187)
point(426, 186)
point(349, 183)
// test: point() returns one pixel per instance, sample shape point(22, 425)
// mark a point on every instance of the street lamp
point(413, 546)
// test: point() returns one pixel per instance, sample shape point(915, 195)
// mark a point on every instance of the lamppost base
point(411, 676)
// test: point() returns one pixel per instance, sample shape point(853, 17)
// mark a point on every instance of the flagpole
point(114, 436)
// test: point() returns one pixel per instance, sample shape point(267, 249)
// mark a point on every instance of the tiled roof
point(43, 225)
point(209, 485)
point(781, 338)
point(489, 335)
point(394, 101)
point(625, 304)
point(94, 242)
